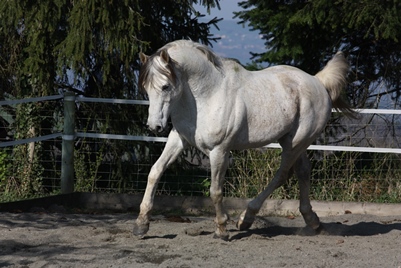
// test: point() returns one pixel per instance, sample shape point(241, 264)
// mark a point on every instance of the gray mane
point(145, 74)
point(210, 55)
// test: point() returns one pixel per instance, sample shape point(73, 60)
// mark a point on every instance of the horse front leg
point(174, 146)
point(219, 163)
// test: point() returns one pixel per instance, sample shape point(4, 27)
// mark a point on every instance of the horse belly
point(262, 120)
point(262, 129)
point(272, 110)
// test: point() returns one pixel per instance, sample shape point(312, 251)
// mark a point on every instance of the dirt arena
point(56, 239)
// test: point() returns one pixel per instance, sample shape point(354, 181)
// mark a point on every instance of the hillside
point(237, 41)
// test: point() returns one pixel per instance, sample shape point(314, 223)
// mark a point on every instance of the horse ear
point(165, 56)
point(144, 58)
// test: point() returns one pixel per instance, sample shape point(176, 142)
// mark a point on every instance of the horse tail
point(334, 78)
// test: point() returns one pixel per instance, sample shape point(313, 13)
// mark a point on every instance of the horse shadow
point(168, 236)
point(328, 228)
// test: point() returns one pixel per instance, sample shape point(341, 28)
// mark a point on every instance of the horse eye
point(165, 87)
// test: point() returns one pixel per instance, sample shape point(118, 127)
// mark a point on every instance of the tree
point(45, 44)
point(90, 47)
point(307, 33)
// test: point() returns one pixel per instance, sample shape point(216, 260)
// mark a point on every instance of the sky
point(237, 41)
point(226, 11)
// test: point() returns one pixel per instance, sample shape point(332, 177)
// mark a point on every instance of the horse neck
point(198, 74)
point(204, 84)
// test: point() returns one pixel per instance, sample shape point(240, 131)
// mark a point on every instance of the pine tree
point(90, 47)
point(308, 33)
point(96, 41)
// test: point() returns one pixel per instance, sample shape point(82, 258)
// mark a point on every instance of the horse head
point(158, 78)
point(177, 66)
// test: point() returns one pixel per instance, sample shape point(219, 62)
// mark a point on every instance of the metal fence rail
point(69, 136)
point(162, 139)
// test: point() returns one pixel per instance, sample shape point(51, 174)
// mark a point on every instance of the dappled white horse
point(217, 106)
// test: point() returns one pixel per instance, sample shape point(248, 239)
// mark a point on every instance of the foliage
point(5, 166)
point(89, 47)
point(23, 180)
point(353, 176)
point(25, 175)
point(341, 176)
point(308, 33)
point(86, 165)
point(253, 170)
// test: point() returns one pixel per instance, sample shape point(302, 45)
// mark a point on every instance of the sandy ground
point(44, 239)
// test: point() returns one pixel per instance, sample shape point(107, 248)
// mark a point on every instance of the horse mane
point(168, 70)
point(145, 73)
point(208, 52)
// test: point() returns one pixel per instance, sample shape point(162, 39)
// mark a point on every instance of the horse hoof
point(140, 229)
point(242, 225)
point(320, 230)
point(224, 237)
point(221, 232)
point(316, 226)
point(312, 221)
point(245, 221)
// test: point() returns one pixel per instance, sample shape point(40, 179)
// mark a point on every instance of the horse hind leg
point(247, 217)
point(302, 169)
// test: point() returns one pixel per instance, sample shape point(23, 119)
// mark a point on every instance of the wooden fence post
point(67, 154)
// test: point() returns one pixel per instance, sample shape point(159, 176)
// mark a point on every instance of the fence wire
point(115, 165)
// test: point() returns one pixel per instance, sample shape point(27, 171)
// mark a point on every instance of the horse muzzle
point(158, 117)
point(157, 127)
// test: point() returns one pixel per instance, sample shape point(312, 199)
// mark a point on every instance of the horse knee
point(216, 195)
point(154, 174)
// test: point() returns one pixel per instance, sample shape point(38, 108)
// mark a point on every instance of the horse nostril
point(159, 129)
point(155, 129)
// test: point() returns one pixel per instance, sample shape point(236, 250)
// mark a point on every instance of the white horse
point(218, 106)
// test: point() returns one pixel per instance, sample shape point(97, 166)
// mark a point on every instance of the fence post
point(67, 153)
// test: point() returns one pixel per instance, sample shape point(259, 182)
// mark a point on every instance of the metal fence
point(80, 154)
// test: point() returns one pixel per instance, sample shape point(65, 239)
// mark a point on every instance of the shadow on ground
point(332, 228)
